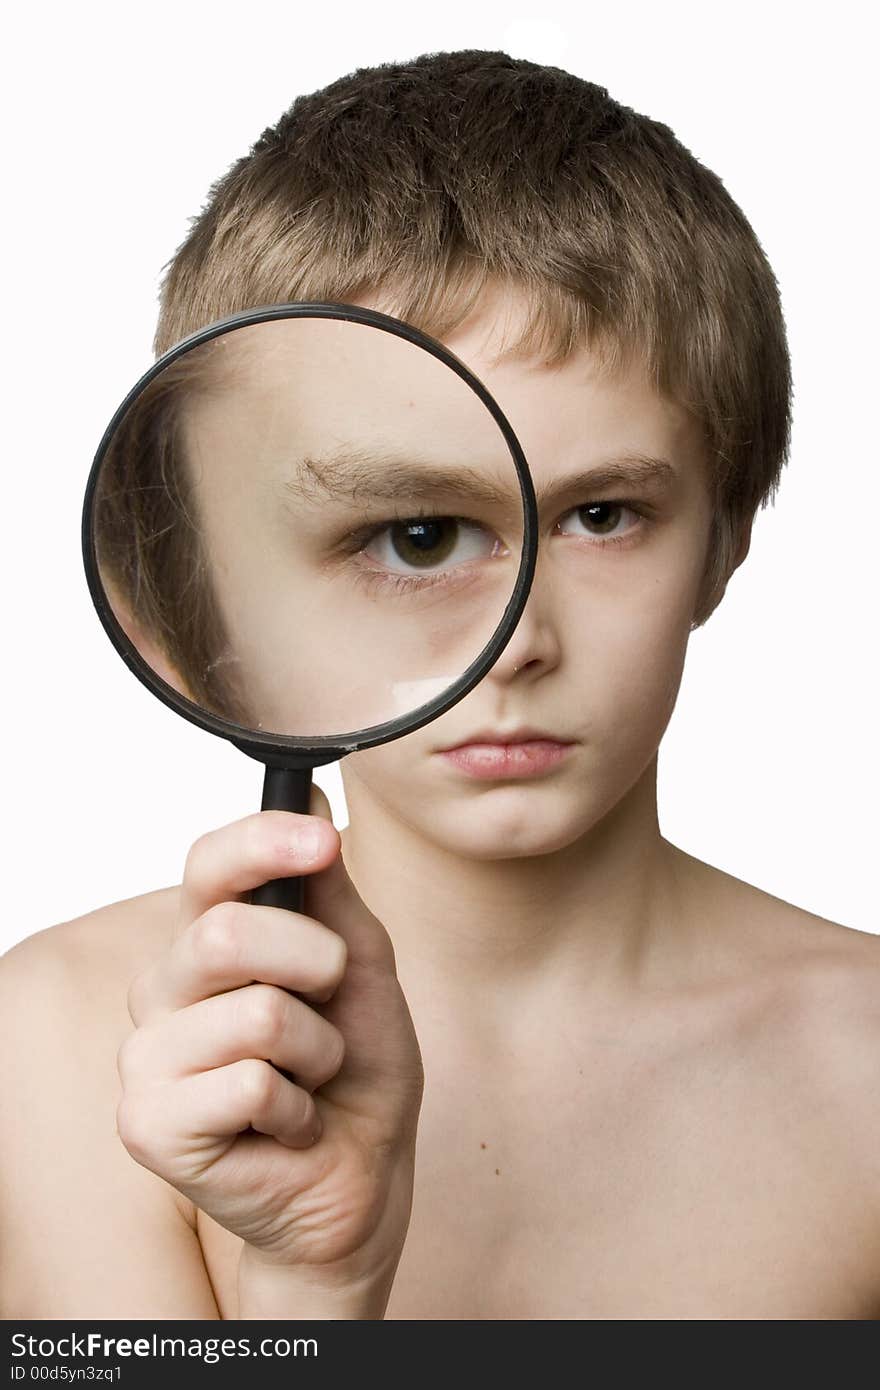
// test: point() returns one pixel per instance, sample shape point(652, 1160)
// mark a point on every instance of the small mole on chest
point(498, 1169)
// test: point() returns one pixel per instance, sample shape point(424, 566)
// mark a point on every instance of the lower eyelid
point(391, 581)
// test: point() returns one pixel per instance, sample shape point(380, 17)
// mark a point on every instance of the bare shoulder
point(809, 988)
point(829, 989)
point(808, 985)
point(84, 1229)
point(829, 1034)
point(121, 936)
point(792, 945)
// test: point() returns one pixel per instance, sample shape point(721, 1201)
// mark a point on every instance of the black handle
point(284, 789)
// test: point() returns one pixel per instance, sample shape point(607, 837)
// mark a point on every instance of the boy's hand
point(316, 1174)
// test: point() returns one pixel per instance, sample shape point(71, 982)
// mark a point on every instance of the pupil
point(425, 541)
point(600, 507)
point(423, 534)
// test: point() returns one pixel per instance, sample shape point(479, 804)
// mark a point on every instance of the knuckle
point(334, 1051)
point(256, 837)
point(329, 1057)
point(336, 949)
point(303, 1107)
point(323, 959)
point(133, 1129)
point(127, 1057)
point(257, 1084)
point(217, 937)
point(265, 1015)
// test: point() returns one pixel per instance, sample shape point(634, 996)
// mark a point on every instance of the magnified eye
point(426, 543)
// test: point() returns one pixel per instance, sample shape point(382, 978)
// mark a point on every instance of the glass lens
point(308, 526)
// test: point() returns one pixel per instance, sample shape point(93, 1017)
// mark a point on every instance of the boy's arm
point(85, 1231)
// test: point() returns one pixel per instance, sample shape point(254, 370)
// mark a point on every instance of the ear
point(742, 549)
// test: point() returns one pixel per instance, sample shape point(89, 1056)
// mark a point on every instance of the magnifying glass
point(309, 529)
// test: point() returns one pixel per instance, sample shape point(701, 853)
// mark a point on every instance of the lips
point(496, 736)
point(496, 757)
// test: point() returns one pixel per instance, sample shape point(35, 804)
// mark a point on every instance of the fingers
point(235, 944)
point(259, 1022)
point(160, 1126)
point(227, 863)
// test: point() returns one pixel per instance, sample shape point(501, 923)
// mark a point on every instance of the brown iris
point(424, 541)
point(602, 522)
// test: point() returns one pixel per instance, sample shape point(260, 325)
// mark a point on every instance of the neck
point(605, 915)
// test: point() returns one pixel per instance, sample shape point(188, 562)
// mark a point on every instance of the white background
point(116, 121)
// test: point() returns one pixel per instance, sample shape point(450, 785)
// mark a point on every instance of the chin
point(518, 829)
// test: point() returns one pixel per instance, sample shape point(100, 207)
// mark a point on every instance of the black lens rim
point(286, 749)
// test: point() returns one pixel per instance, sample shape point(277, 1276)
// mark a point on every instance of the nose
point(535, 647)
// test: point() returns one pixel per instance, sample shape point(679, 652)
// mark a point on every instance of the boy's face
point(597, 657)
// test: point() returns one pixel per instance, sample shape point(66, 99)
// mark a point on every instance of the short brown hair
point(423, 181)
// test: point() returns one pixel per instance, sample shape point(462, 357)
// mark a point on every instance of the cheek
point(631, 657)
point(389, 774)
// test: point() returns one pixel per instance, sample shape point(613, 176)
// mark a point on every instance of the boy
point(548, 1064)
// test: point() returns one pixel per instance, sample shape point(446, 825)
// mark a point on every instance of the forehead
point(322, 380)
point(577, 411)
point(333, 376)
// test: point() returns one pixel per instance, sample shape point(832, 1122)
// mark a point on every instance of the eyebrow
point(362, 475)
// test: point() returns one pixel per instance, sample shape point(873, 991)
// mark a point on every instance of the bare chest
point(710, 1194)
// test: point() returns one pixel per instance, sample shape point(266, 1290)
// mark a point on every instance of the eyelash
point(641, 511)
point(357, 541)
